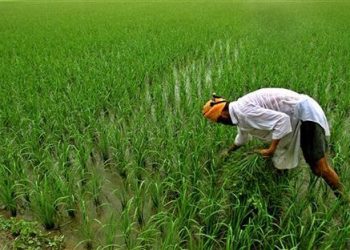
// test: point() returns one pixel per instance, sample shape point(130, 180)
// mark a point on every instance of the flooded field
point(102, 140)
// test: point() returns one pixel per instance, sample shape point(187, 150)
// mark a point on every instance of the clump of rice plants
point(45, 200)
point(8, 192)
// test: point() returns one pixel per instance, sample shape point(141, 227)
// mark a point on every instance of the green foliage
point(101, 127)
point(28, 235)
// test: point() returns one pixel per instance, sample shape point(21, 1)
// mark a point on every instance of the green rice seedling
point(229, 238)
point(123, 197)
point(147, 238)
point(339, 230)
point(155, 192)
point(70, 204)
point(68, 178)
point(120, 150)
point(127, 224)
point(45, 198)
point(103, 145)
point(171, 238)
point(95, 187)
point(139, 156)
point(87, 230)
point(8, 192)
point(152, 233)
point(69, 192)
point(83, 158)
point(139, 201)
point(110, 231)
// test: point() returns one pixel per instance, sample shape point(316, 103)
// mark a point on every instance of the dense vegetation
point(101, 134)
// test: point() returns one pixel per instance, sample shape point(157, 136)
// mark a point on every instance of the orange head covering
point(213, 108)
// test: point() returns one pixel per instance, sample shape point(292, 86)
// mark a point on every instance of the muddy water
point(112, 183)
point(112, 187)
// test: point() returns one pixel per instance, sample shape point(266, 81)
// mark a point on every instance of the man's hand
point(268, 152)
point(232, 148)
point(225, 153)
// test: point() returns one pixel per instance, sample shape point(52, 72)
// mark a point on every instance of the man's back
point(278, 99)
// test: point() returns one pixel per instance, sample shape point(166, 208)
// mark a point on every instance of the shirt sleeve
point(241, 137)
point(271, 120)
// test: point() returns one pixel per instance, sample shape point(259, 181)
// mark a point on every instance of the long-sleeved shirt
point(275, 113)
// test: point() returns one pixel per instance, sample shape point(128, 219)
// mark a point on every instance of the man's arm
point(225, 153)
point(241, 138)
point(268, 152)
point(270, 120)
point(232, 148)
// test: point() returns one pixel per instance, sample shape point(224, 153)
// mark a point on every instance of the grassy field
point(102, 138)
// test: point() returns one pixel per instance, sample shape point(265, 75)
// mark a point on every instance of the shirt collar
point(232, 113)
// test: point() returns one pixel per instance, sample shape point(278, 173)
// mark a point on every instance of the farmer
point(284, 118)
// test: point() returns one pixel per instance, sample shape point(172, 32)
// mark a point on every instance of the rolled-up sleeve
point(271, 120)
point(241, 137)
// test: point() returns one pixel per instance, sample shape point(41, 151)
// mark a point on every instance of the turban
point(213, 108)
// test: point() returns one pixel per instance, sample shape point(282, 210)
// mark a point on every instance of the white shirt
point(275, 113)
